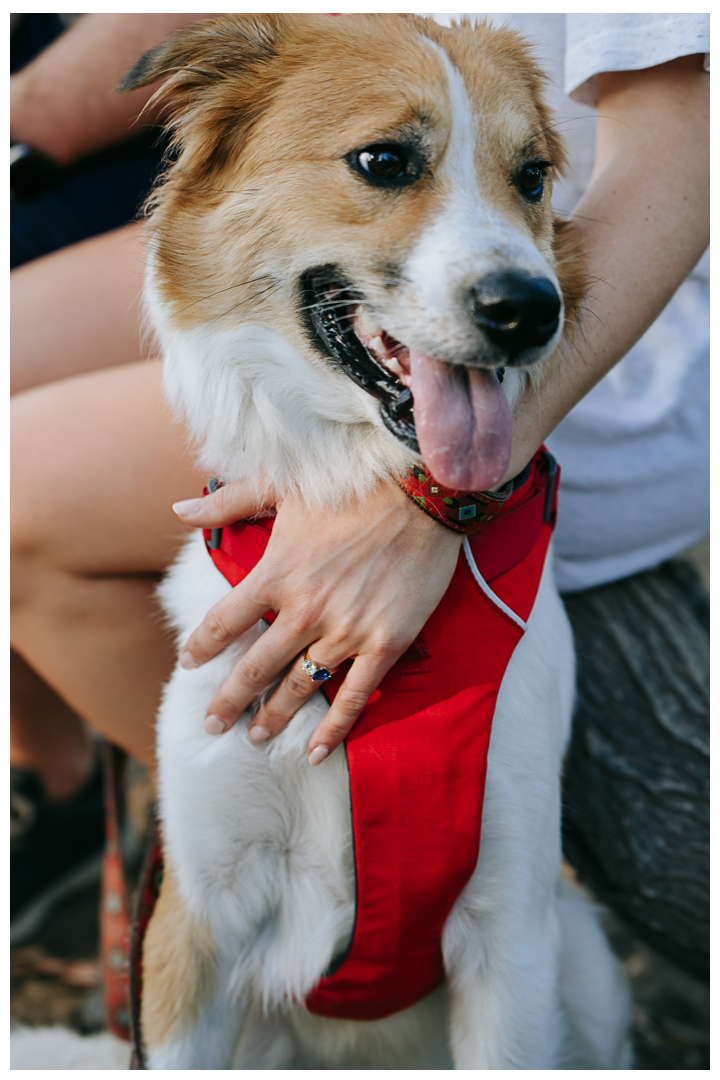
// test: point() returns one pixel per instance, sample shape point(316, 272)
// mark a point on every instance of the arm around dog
point(643, 223)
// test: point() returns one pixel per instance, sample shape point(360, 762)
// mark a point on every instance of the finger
point(224, 623)
point(296, 688)
point(352, 697)
point(253, 673)
point(229, 503)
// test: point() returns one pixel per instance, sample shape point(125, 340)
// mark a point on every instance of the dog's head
point(373, 192)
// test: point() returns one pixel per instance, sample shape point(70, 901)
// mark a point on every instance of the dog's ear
point(200, 54)
point(218, 75)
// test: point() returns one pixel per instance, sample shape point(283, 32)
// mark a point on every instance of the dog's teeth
point(377, 345)
point(371, 328)
point(393, 363)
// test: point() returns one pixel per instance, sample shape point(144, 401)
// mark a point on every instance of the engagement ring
point(316, 672)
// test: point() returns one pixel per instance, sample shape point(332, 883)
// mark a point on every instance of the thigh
point(78, 309)
point(97, 461)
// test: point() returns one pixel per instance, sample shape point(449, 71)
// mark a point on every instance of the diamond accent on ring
point(317, 674)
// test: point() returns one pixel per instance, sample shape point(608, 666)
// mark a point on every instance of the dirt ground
point(56, 980)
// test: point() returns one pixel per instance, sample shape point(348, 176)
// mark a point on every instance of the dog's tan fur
point(242, 168)
point(179, 955)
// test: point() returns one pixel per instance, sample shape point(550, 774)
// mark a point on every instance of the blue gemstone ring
point(316, 672)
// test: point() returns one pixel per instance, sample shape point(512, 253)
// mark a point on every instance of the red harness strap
point(417, 756)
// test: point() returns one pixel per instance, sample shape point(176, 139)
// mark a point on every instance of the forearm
point(642, 225)
point(64, 102)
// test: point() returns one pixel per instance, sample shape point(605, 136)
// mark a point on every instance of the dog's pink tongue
point(463, 423)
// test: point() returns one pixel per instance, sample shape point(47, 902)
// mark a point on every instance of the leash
point(114, 909)
point(120, 936)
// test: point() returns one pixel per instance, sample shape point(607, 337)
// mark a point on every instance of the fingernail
point(318, 755)
point(258, 734)
point(188, 661)
point(187, 507)
point(214, 725)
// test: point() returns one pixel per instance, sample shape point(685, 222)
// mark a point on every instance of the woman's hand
point(357, 582)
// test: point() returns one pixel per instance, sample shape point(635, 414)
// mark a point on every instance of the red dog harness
point(417, 755)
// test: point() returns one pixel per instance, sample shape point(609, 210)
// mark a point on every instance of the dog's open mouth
point(332, 309)
point(456, 416)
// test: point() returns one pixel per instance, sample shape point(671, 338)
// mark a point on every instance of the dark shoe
point(55, 848)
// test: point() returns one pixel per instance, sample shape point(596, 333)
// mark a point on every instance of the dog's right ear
point(218, 74)
point(198, 56)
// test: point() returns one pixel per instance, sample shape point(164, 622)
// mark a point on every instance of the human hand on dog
point(356, 582)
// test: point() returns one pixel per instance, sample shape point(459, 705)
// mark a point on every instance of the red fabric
point(417, 760)
point(417, 757)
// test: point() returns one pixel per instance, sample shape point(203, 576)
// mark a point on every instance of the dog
point(352, 243)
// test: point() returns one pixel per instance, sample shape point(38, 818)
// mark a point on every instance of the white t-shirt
point(598, 43)
point(635, 451)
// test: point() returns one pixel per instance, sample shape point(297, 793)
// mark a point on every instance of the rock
point(636, 782)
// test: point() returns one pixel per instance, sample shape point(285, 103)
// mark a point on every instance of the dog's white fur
point(260, 843)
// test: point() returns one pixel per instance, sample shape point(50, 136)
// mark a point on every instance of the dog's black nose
point(516, 311)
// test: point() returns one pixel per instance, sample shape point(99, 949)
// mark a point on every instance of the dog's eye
point(531, 180)
point(385, 162)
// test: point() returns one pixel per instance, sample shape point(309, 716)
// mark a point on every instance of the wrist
point(31, 119)
point(388, 510)
point(18, 108)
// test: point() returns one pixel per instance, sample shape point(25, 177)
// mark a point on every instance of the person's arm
point(362, 581)
point(643, 223)
point(64, 102)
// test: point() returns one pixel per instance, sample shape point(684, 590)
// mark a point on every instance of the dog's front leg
point(504, 1006)
point(189, 1018)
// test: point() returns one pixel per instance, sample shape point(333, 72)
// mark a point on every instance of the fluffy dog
point(353, 237)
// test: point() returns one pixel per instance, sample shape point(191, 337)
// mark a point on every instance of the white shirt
point(623, 42)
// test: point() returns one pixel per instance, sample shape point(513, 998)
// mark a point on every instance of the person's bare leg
point(56, 744)
point(97, 462)
point(75, 310)
point(78, 309)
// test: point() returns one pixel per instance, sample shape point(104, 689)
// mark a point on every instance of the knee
point(33, 499)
